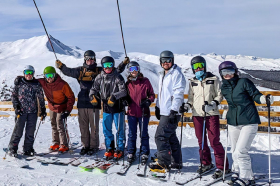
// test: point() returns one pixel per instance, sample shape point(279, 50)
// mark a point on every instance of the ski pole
point(141, 131)
point(203, 138)
point(118, 134)
point(181, 138)
point(67, 136)
point(123, 135)
point(269, 144)
point(225, 160)
point(121, 27)
point(41, 121)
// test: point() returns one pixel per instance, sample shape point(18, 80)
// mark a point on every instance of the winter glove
point(157, 112)
point(93, 100)
point(111, 101)
point(58, 64)
point(64, 115)
point(43, 113)
point(265, 99)
point(145, 103)
point(209, 107)
point(184, 108)
point(172, 117)
point(18, 111)
point(125, 103)
point(126, 60)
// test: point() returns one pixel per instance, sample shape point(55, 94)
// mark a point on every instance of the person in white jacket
point(172, 85)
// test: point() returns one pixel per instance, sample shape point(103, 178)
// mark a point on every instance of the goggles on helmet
point(166, 60)
point(133, 68)
point(198, 65)
point(107, 65)
point(50, 75)
point(89, 58)
point(28, 72)
point(227, 71)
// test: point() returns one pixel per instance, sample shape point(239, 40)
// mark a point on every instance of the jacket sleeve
point(121, 67)
point(252, 90)
point(219, 95)
point(190, 94)
point(72, 72)
point(95, 89)
point(70, 97)
point(178, 89)
point(121, 87)
point(150, 92)
point(14, 96)
point(40, 96)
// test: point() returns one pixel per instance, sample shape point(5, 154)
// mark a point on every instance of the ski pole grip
point(205, 102)
point(267, 97)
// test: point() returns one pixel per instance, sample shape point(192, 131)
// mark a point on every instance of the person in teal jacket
point(242, 119)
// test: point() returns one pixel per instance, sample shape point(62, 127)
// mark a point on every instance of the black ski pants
point(167, 142)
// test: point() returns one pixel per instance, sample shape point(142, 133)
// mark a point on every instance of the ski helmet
point(89, 53)
point(107, 59)
point(166, 54)
point(49, 70)
point(228, 64)
point(198, 59)
point(29, 67)
point(132, 64)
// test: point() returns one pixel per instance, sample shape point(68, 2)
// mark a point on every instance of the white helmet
point(29, 67)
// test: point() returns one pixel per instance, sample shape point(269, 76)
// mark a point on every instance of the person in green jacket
point(242, 119)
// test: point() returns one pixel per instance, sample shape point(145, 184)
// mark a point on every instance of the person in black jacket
point(109, 86)
point(88, 114)
point(242, 119)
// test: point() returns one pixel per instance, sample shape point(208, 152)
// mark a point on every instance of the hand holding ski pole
point(208, 107)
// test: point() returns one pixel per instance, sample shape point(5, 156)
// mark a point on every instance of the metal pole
point(225, 160)
point(121, 28)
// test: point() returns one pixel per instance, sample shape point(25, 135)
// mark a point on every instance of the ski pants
point(212, 124)
point(27, 120)
point(241, 138)
point(132, 135)
point(118, 119)
point(58, 130)
point(167, 142)
point(89, 127)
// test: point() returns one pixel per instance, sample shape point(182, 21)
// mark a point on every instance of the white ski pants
point(241, 138)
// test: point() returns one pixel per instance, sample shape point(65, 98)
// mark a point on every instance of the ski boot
point(157, 170)
point(12, 152)
point(176, 165)
point(84, 151)
point(109, 154)
point(54, 147)
point(241, 182)
point(144, 159)
point(131, 158)
point(219, 173)
point(118, 154)
point(63, 149)
point(92, 151)
point(204, 168)
point(29, 152)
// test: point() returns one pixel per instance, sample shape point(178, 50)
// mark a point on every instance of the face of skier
point(108, 67)
point(28, 74)
point(90, 60)
point(50, 77)
point(134, 70)
point(228, 73)
point(166, 63)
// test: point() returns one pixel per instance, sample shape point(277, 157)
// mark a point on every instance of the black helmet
point(228, 64)
point(166, 54)
point(198, 59)
point(89, 53)
point(131, 64)
point(107, 59)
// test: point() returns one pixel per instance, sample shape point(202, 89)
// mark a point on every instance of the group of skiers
point(105, 84)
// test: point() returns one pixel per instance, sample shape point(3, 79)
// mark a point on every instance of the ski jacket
point(107, 85)
point(209, 89)
point(139, 90)
point(26, 93)
point(85, 76)
point(171, 90)
point(59, 95)
point(240, 94)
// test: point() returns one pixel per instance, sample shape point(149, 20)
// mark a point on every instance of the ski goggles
point(198, 65)
point(133, 68)
point(28, 72)
point(166, 60)
point(227, 71)
point(107, 65)
point(50, 75)
point(89, 58)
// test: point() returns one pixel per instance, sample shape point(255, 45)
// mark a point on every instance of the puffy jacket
point(26, 93)
point(85, 76)
point(209, 89)
point(139, 90)
point(171, 90)
point(107, 85)
point(59, 95)
point(240, 94)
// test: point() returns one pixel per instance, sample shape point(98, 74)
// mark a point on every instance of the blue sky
point(150, 26)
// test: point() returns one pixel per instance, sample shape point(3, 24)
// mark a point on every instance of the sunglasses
point(134, 68)
point(89, 58)
point(51, 75)
point(166, 60)
point(28, 72)
point(198, 65)
point(107, 65)
point(227, 71)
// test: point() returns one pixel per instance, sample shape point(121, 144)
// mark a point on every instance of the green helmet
point(49, 70)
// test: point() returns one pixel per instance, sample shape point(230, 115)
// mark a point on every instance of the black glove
point(184, 108)
point(64, 115)
point(125, 103)
point(172, 117)
point(43, 113)
point(157, 112)
point(18, 110)
point(145, 103)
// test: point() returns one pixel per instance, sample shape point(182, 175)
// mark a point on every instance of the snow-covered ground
point(39, 174)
